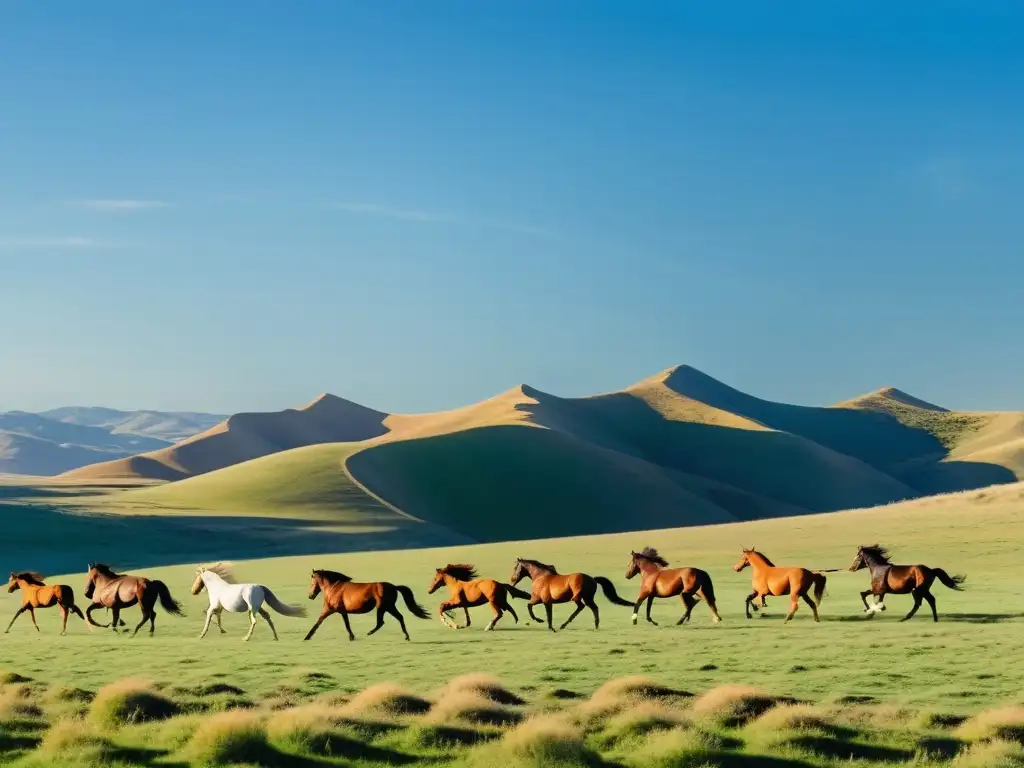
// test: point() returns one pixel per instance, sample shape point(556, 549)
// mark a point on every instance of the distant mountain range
point(62, 439)
point(678, 448)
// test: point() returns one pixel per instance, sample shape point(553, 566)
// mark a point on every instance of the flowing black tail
point(415, 608)
point(953, 582)
point(515, 592)
point(609, 591)
point(169, 603)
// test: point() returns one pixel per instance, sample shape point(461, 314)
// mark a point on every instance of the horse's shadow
point(968, 618)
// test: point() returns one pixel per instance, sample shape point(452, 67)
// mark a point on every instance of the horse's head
point(198, 584)
point(12, 583)
point(743, 561)
point(519, 572)
point(437, 582)
point(859, 561)
point(314, 585)
point(90, 581)
point(634, 565)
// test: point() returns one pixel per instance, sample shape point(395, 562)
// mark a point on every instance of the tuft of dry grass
point(1005, 723)
point(680, 748)
point(734, 705)
point(386, 699)
point(623, 692)
point(130, 701)
point(7, 677)
point(470, 707)
point(75, 741)
point(16, 703)
point(539, 741)
point(641, 719)
point(991, 754)
point(486, 686)
point(237, 736)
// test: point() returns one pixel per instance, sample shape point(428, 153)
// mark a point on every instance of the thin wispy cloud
point(62, 242)
point(389, 212)
point(107, 205)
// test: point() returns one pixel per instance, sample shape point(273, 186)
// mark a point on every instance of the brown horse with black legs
point(466, 591)
point(769, 579)
point(36, 594)
point(344, 596)
point(661, 581)
point(118, 591)
point(899, 580)
point(550, 587)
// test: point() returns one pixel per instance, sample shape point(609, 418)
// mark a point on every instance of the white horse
point(226, 595)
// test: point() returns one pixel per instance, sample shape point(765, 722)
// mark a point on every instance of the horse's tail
point(516, 592)
point(609, 591)
point(168, 603)
point(415, 608)
point(953, 582)
point(283, 608)
point(819, 579)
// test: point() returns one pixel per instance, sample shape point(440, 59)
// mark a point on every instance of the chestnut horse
point(661, 581)
point(344, 596)
point(118, 591)
point(550, 587)
point(769, 579)
point(899, 580)
point(36, 594)
point(467, 591)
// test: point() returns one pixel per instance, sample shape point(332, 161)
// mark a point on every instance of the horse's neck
point(758, 561)
point(213, 582)
point(648, 567)
point(875, 565)
point(536, 571)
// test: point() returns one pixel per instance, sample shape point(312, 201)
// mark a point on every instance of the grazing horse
point(344, 596)
point(661, 581)
point(550, 587)
point(226, 595)
point(36, 594)
point(466, 591)
point(117, 591)
point(899, 580)
point(769, 579)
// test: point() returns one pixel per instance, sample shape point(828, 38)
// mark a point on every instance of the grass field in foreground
point(970, 659)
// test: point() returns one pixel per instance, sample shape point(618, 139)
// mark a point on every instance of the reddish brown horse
point(661, 581)
point(899, 580)
point(550, 587)
point(36, 594)
point(344, 596)
point(466, 591)
point(118, 591)
point(769, 579)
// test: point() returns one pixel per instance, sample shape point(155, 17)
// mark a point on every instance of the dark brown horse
point(36, 594)
point(344, 596)
point(550, 587)
point(899, 580)
point(118, 591)
point(770, 579)
point(466, 591)
point(661, 581)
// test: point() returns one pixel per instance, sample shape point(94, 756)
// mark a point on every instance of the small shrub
point(130, 701)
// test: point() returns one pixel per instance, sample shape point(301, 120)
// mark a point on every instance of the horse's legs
point(529, 609)
point(210, 612)
point(78, 612)
point(64, 620)
point(507, 606)
point(497, 615)
point(393, 610)
point(917, 604)
point(442, 612)
point(32, 613)
point(17, 613)
point(89, 618)
point(320, 620)
point(711, 606)
point(689, 602)
point(814, 608)
point(592, 605)
point(864, 599)
point(147, 613)
point(115, 614)
point(219, 625)
point(750, 603)
point(579, 607)
point(931, 602)
point(547, 611)
point(380, 620)
point(639, 601)
point(266, 617)
point(794, 603)
point(465, 609)
point(252, 624)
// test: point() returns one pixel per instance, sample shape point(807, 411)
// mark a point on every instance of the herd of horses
point(116, 592)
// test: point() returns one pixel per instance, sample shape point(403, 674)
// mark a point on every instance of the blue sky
point(231, 207)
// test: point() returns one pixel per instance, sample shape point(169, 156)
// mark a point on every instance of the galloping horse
point(36, 594)
point(344, 596)
point(117, 591)
point(899, 580)
point(661, 581)
point(550, 587)
point(226, 595)
point(468, 591)
point(769, 579)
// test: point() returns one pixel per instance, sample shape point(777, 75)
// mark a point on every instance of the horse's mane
point(32, 577)
point(460, 571)
point(882, 553)
point(539, 564)
point(332, 576)
point(651, 554)
point(105, 569)
point(223, 570)
point(762, 555)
